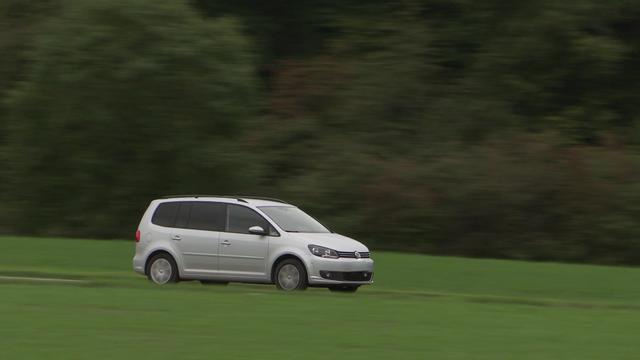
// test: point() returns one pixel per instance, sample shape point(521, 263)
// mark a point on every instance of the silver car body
point(236, 257)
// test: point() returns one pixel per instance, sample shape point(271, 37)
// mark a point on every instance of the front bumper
point(340, 271)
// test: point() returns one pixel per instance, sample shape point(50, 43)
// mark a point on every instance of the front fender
point(273, 258)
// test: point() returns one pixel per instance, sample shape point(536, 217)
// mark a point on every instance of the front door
point(241, 253)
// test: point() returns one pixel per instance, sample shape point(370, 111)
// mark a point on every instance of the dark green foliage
point(451, 127)
point(123, 101)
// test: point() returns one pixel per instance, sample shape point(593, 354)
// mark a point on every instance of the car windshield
point(292, 219)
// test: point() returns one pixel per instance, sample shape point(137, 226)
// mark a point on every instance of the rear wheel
point(344, 288)
point(162, 269)
point(291, 275)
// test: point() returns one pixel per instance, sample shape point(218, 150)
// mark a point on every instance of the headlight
point(322, 251)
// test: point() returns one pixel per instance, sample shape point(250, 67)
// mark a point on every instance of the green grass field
point(420, 307)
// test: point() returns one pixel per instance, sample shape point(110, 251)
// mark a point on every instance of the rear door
point(242, 253)
point(196, 233)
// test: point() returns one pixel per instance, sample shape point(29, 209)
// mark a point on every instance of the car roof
point(253, 200)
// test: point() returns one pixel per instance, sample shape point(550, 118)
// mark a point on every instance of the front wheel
point(162, 269)
point(291, 275)
point(344, 288)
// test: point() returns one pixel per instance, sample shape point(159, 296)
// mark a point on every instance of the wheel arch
point(161, 251)
point(280, 258)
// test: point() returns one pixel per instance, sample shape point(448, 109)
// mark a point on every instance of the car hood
point(331, 240)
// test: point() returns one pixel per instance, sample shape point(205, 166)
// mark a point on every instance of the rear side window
point(207, 216)
point(242, 218)
point(165, 214)
point(182, 219)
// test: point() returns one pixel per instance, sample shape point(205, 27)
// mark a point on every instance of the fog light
point(325, 274)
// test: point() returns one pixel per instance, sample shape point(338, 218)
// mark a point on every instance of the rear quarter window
point(165, 214)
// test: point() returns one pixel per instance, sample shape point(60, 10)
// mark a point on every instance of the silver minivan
point(222, 239)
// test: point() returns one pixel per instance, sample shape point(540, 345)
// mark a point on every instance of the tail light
point(137, 235)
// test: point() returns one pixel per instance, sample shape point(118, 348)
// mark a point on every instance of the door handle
point(226, 243)
point(176, 237)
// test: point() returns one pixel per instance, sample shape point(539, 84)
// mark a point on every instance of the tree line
point(486, 129)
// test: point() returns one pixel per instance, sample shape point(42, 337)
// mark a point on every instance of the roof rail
point(189, 195)
point(258, 198)
point(237, 197)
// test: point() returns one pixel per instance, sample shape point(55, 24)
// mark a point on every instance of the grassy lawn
point(420, 307)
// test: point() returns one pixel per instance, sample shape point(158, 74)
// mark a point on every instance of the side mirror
point(257, 230)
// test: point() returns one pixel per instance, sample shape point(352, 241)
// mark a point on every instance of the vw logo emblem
point(357, 255)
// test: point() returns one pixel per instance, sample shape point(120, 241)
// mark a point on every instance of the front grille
point(352, 254)
point(347, 275)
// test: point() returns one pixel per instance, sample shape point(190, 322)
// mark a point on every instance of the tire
point(344, 288)
point(291, 275)
point(162, 269)
point(214, 282)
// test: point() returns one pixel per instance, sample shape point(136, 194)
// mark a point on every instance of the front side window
point(292, 219)
point(241, 218)
point(206, 216)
